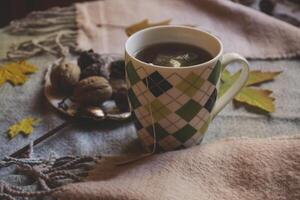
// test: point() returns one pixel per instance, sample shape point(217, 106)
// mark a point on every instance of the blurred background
point(286, 10)
point(16, 9)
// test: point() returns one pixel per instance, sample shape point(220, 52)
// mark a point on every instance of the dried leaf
point(15, 72)
point(25, 127)
point(144, 24)
point(258, 77)
point(252, 96)
point(257, 97)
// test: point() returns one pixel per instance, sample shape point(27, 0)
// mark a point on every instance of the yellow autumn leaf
point(25, 127)
point(257, 77)
point(144, 24)
point(250, 95)
point(257, 97)
point(16, 72)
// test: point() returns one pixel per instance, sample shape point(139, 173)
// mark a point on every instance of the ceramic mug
point(173, 107)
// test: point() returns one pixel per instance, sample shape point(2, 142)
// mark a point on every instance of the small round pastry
point(93, 90)
point(267, 6)
point(95, 69)
point(88, 58)
point(117, 69)
point(64, 76)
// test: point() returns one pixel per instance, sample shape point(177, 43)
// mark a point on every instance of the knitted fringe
point(44, 26)
point(48, 174)
point(45, 22)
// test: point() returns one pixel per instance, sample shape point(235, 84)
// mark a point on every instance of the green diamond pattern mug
point(172, 107)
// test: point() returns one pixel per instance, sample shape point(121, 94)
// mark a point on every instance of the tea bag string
point(153, 128)
point(152, 120)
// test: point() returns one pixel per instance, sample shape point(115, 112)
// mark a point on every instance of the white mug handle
point(237, 86)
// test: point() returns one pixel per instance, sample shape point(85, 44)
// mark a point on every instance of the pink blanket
point(234, 169)
point(242, 29)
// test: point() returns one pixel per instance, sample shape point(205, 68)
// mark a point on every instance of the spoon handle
point(50, 133)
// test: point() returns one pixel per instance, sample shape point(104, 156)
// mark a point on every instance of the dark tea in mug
point(173, 55)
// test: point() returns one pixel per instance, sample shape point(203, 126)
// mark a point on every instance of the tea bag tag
point(175, 63)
